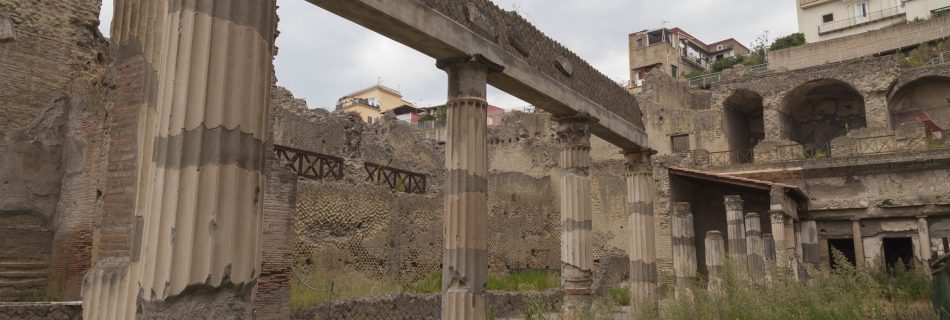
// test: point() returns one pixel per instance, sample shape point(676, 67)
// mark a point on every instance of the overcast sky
point(323, 57)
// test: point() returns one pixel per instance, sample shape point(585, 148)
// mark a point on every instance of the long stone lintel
point(412, 23)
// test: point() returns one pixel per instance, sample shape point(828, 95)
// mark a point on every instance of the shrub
point(792, 40)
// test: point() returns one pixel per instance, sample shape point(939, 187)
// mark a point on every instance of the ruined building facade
point(850, 156)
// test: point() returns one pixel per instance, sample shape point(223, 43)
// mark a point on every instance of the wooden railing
point(310, 164)
point(397, 179)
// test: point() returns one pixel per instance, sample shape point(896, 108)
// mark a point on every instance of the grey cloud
point(323, 57)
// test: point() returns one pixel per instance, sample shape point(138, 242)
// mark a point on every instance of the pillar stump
point(736, 242)
point(642, 247)
point(715, 259)
point(684, 246)
point(755, 245)
point(465, 255)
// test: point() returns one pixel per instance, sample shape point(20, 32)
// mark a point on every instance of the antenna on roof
point(665, 22)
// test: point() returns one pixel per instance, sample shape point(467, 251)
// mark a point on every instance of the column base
point(460, 304)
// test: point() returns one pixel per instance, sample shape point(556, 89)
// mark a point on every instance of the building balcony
point(854, 22)
point(811, 3)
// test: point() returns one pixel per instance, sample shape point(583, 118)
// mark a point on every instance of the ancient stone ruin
point(145, 177)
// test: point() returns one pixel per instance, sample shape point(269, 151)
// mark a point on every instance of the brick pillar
point(715, 258)
point(465, 257)
point(576, 243)
point(736, 241)
point(753, 237)
point(684, 246)
point(642, 247)
point(272, 300)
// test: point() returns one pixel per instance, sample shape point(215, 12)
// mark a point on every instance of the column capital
point(751, 214)
point(574, 132)
point(639, 161)
point(477, 59)
point(776, 215)
point(733, 202)
point(681, 209)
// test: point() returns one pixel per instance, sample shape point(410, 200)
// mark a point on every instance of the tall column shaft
point(769, 243)
point(642, 247)
point(465, 256)
point(576, 243)
point(684, 245)
point(736, 242)
point(753, 232)
point(777, 219)
point(923, 236)
point(715, 259)
point(858, 244)
point(810, 250)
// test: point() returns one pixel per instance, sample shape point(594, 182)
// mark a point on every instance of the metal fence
point(941, 58)
point(706, 80)
point(310, 164)
point(854, 21)
point(731, 157)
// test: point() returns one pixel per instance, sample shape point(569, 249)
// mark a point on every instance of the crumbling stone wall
point(41, 311)
point(53, 43)
point(52, 127)
point(358, 225)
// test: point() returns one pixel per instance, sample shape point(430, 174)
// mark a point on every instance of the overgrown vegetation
point(792, 40)
point(351, 284)
point(922, 55)
point(841, 293)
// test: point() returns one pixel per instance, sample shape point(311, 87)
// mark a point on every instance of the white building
point(821, 20)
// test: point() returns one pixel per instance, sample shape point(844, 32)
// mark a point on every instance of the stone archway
point(815, 113)
point(926, 101)
point(744, 122)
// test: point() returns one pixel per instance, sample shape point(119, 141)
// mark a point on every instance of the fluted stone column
point(203, 207)
point(777, 219)
point(642, 247)
point(465, 256)
point(576, 243)
point(923, 237)
point(715, 258)
point(769, 243)
point(736, 241)
point(810, 249)
point(684, 245)
point(858, 238)
point(753, 232)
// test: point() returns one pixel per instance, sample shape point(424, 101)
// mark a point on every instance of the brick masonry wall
point(55, 42)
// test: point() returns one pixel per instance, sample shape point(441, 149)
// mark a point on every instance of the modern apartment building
point(676, 52)
point(821, 20)
point(370, 103)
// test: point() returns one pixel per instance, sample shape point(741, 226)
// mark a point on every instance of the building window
point(680, 143)
point(861, 12)
point(720, 56)
point(640, 43)
point(828, 18)
point(719, 47)
point(674, 71)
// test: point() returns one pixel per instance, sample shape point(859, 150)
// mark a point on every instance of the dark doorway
point(898, 250)
point(845, 246)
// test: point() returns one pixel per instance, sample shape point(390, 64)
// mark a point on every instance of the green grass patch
point(525, 280)
point(841, 293)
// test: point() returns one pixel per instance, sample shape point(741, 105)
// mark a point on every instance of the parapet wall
point(860, 45)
